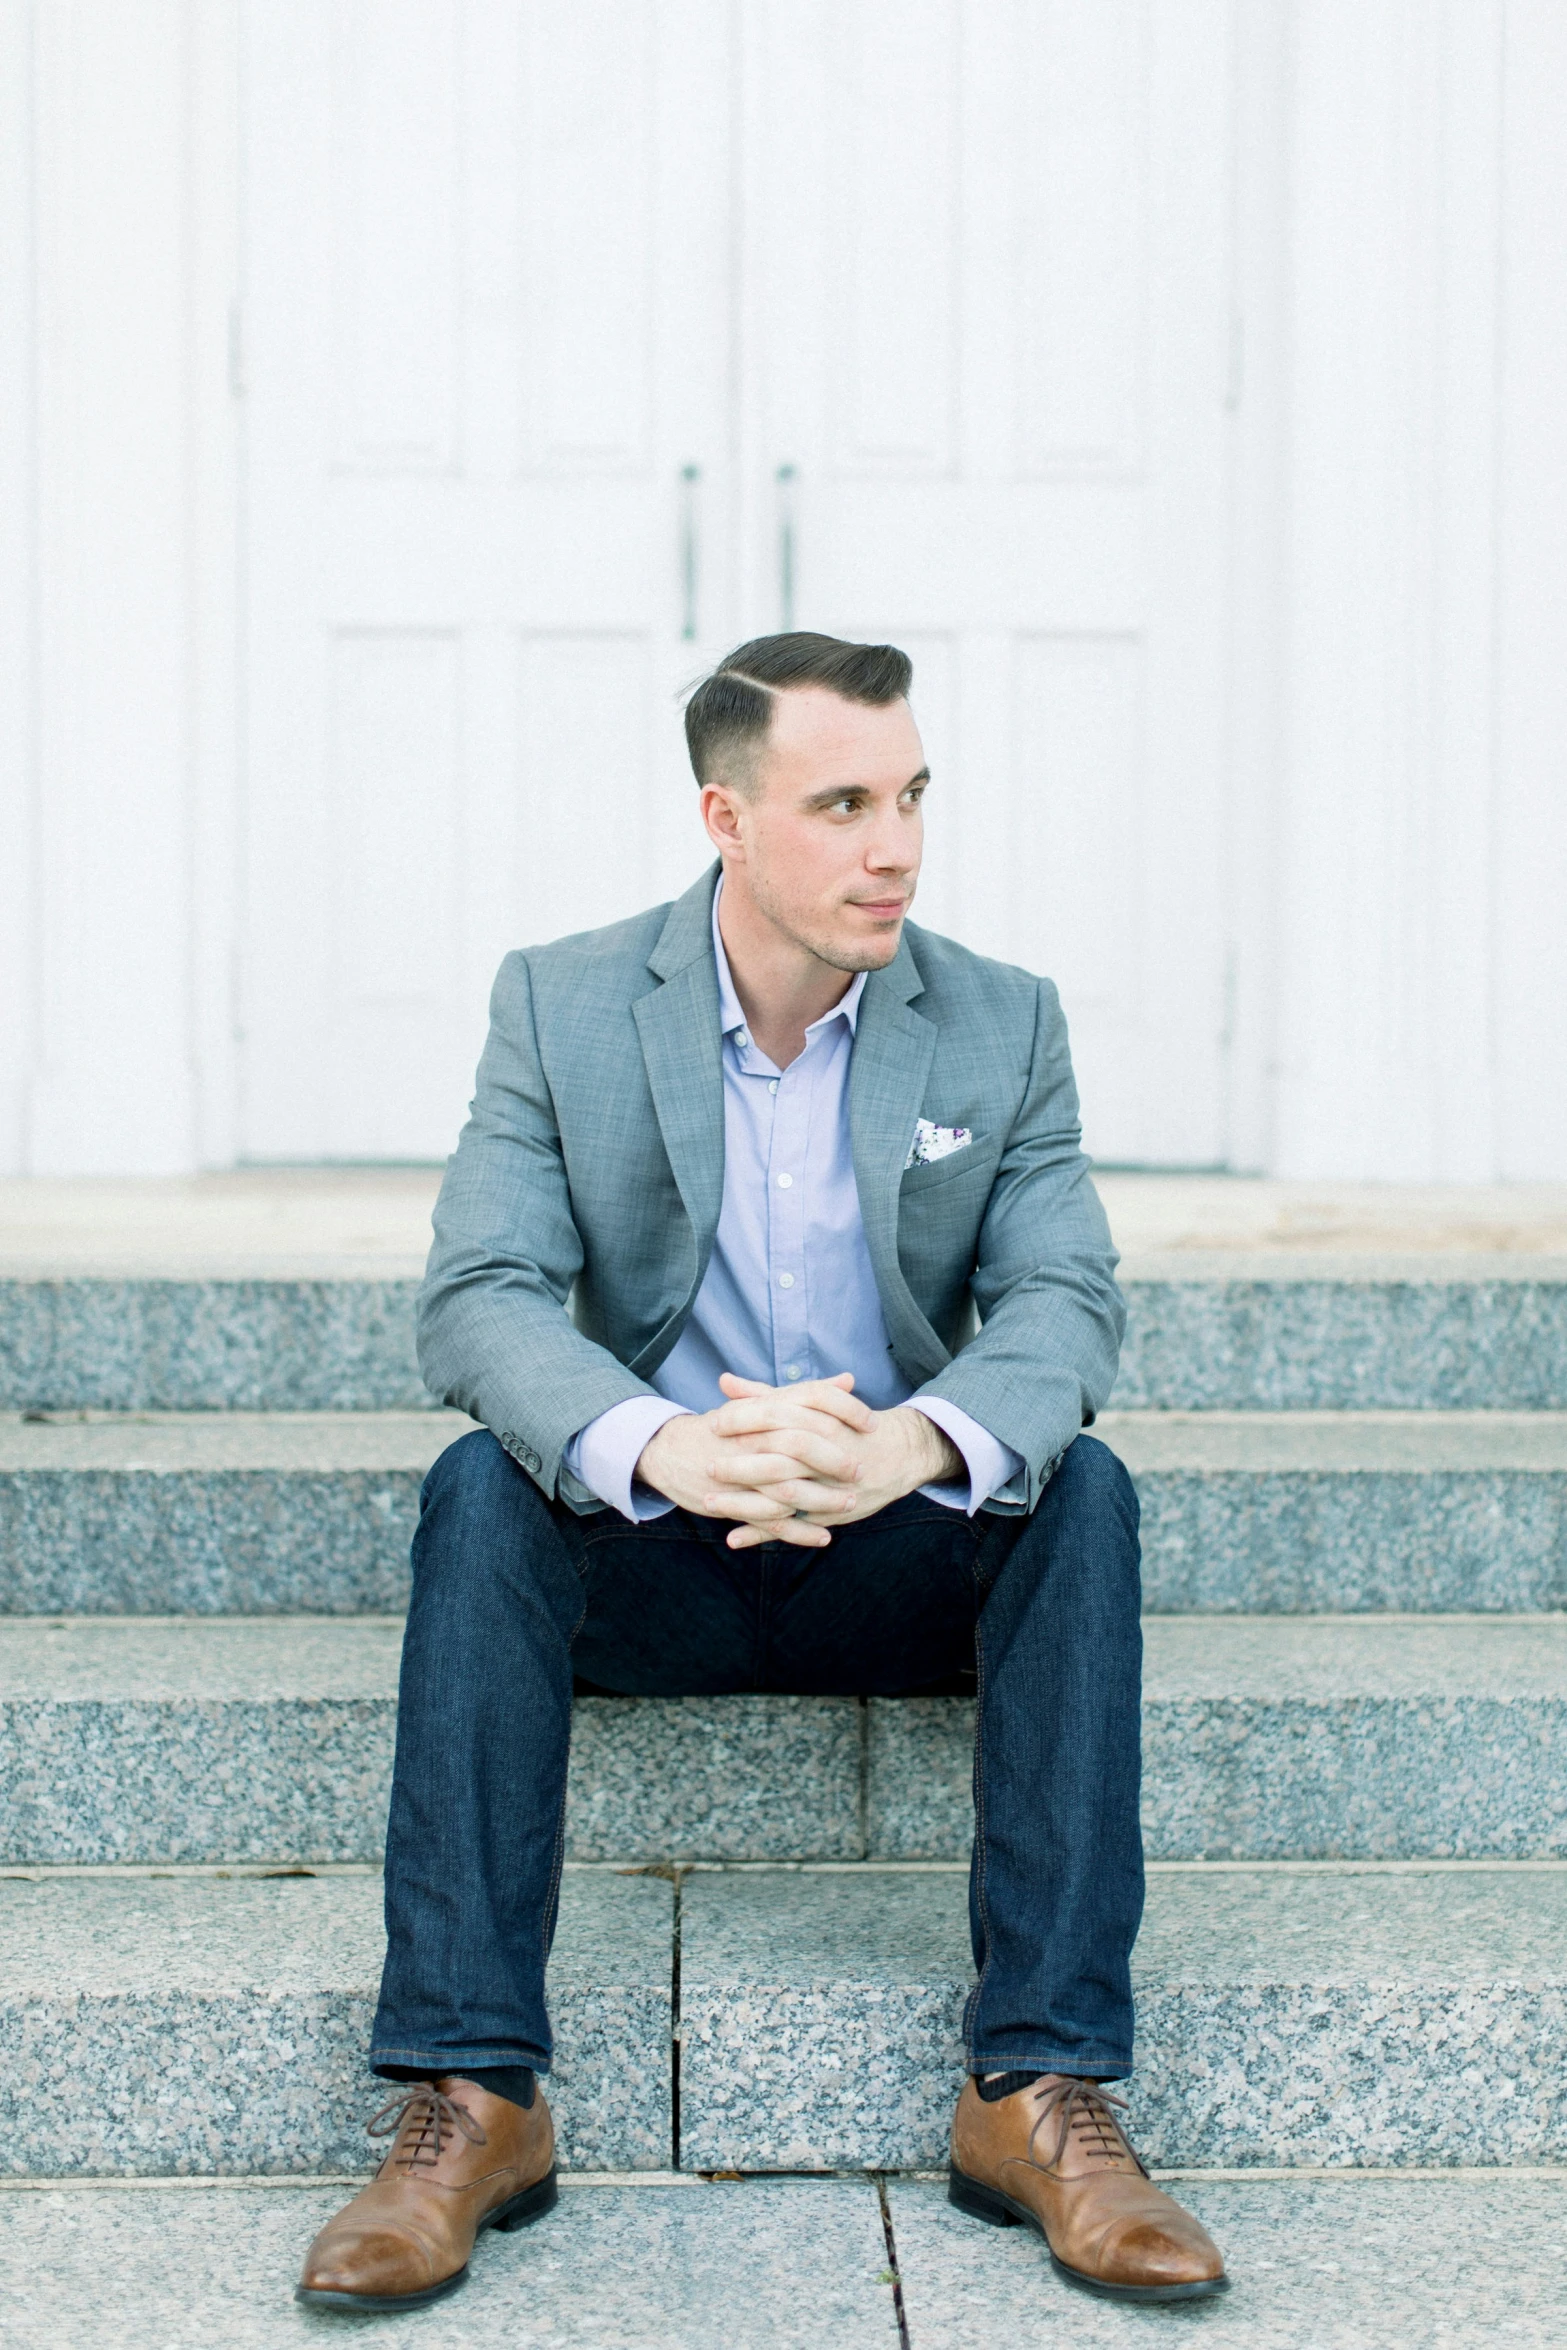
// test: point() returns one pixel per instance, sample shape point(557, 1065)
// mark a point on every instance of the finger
point(765, 1505)
point(769, 1473)
point(783, 1452)
point(818, 1406)
point(732, 1383)
point(799, 1531)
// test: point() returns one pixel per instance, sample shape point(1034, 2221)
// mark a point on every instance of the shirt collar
point(731, 1017)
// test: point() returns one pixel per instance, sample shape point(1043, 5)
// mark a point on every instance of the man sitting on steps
point(775, 1145)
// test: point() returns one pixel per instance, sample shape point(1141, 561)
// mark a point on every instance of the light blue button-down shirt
point(789, 1293)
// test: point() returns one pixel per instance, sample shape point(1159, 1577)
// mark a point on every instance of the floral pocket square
point(935, 1142)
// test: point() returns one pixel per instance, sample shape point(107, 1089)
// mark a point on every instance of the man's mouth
point(884, 908)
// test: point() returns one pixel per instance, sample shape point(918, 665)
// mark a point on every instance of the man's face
point(828, 841)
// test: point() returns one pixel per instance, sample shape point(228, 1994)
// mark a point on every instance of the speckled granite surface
point(195, 1740)
point(1318, 1737)
point(229, 1512)
point(1302, 1511)
point(1331, 2264)
point(213, 1512)
point(1229, 1333)
point(209, 1345)
point(245, 1739)
point(723, 1778)
point(819, 2018)
point(1284, 2017)
point(211, 1739)
point(770, 2264)
point(199, 2024)
point(1233, 1336)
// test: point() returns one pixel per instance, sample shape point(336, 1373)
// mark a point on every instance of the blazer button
point(529, 1458)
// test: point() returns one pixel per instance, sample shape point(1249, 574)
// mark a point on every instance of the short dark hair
point(728, 716)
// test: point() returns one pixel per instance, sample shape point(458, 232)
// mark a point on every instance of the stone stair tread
point(1284, 2016)
point(795, 2264)
point(1258, 1660)
point(212, 1443)
point(1305, 1925)
point(775, 2264)
point(211, 1739)
point(314, 1659)
point(1341, 1443)
point(204, 1660)
point(212, 2022)
point(1316, 2264)
point(1283, 1331)
point(1261, 1443)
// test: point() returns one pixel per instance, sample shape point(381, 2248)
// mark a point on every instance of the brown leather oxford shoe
point(461, 2161)
point(1054, 2157)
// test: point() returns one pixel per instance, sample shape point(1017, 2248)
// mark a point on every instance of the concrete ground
point(1317, 2263)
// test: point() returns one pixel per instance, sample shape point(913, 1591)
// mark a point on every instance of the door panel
point(986, 325)
point(487, 318)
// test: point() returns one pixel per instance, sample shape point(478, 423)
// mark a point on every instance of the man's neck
point(783, 988)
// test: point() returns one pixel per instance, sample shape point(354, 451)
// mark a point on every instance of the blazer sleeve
point(495, 1337)
point(1051, 1316)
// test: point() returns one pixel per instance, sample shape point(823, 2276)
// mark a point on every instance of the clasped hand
point(791, 1462)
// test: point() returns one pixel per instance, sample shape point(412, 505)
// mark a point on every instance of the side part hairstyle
point(728, 716)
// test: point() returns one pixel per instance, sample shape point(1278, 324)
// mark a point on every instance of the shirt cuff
point(990, 1463)
point(605, 1453)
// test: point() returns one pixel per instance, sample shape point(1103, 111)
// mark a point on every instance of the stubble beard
point(837, 958)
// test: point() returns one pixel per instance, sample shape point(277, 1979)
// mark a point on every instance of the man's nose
point(890, 849)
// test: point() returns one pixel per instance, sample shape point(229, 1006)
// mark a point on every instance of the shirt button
point(784, 1182)
point(772, 1085)
point(786, 1280)
point(791, 1370)
point(741, 1039)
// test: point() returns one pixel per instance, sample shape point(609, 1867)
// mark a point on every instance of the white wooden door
point(932, 295)
point(485, 332)
point(986, 327)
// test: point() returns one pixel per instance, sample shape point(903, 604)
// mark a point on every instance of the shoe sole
point(531, 2204)
point(1000, 2211)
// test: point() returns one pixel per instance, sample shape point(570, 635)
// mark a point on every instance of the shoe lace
point(428, 2117)
point(1083, 2108)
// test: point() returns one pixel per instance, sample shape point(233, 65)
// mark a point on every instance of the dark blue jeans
point(513, 1595)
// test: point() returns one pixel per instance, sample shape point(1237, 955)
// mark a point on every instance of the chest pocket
point(975, 1160)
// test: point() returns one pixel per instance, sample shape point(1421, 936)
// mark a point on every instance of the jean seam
point(971, 2013)
point(552, 1897)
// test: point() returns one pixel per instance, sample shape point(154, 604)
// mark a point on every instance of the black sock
point(515, 2082)
point(1005, 2085)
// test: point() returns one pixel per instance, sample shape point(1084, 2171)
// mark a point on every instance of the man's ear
point(721, 808)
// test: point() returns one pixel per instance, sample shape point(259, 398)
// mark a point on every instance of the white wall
point(1398, 384)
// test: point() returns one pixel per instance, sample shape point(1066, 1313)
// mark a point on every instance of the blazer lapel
point(893, 1048)
point(681, 1048)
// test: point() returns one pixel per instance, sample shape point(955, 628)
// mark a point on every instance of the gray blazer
point(577, 1216)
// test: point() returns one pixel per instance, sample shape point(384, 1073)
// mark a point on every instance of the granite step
point(1288, 2017)
point(668, 2263)
point(1208, 1330)
point(142, 1740)
point(251, 1513)
point(688, 2263)
point(212, 2023)
point(1342, 2263)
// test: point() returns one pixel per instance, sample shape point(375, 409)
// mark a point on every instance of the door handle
point(785, 479)
point(690, 476)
